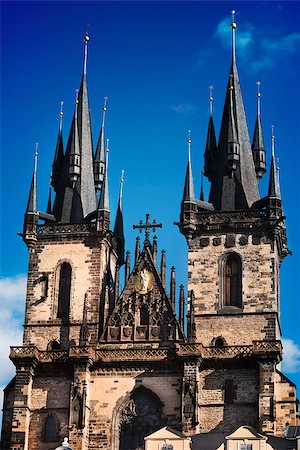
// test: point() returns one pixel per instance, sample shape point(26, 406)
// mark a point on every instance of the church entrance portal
point(140, 416)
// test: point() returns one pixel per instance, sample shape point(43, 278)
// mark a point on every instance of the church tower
point(105, 368)
point(236, 243)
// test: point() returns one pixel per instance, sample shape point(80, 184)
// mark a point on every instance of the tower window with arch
point(64, 291)
point(231, 275)
point(50, 429)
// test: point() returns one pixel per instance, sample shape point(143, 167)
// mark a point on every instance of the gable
point(143, 312)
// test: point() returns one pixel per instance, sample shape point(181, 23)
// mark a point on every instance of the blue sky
point(154, 61)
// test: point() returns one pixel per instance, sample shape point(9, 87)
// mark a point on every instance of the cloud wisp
point(184, 108)
point(12, 304)
point(257, 51)
point(291, 356)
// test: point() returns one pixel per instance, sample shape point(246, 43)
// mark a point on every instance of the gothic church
point(106, 368)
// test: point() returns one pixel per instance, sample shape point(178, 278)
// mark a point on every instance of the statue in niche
point(144, 281)
point(189, 400)
point(77, 405)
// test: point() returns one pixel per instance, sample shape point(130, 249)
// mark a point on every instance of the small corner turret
point(258, 148)
point(31, 215)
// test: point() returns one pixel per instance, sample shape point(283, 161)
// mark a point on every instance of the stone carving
point(77, 410)
point(243, 240)
point(141, 416)
point(144, 282)
point(189, 399)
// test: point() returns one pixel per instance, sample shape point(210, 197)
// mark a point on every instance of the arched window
point(50, 429)
point(232, 280)
point(219, 342)
point(64, 291)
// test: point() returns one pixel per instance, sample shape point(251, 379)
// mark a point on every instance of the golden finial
point(86, 40)
point(273, 141)
point(105, 101)
point(189, 145)
point(233, 27)
point(121, 187)
point(35, 156)
point(61, 113)
point(86, 36)
point(258, 83)
point(233, 24)
point(211, 99)
point(258, 91)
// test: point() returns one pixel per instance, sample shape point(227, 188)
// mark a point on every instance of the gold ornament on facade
point(143, 282)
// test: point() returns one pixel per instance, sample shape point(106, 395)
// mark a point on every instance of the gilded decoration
point(143, 282)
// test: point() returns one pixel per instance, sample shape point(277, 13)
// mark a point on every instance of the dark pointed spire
point(32, 205)
point(73, 150)
point(31, 214)
point(201, 188)
point(99, 161)
point(59, 154)
point(137, 249)
point(258, 148)
point(119, 227)
point(189, 193)
point(103, 206)
point(173, 286)
point(87, 186)
point(154, 249)
point(49, 203)
point(274, 191)
point(233, 146)
point(232, 187)
point(104, 197)
point(211, 142)
point(163, 266)
point(127, 266)
point(181, 306)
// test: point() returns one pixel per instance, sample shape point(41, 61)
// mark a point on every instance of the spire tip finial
point(273, 141)
point(233, 24)
point(211, 99)
point(86, 36)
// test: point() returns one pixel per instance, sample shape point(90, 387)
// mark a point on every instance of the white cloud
point(184, 108)
point(257, 51)
point(291, 356)
point(244, 38)
point(12, 305)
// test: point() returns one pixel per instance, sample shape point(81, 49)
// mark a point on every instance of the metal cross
point(147, 226)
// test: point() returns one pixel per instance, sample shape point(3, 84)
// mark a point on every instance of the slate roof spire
point(104, 196)
point(59, 153)
point(274, 190)
point(211, 142)
point(73, 152)
point(258, 147)
point(189, 193)
point(87, 187)
point(32, 204)
point(119, 226)
point(99, 161)
point(74, 178)
point(233, 188)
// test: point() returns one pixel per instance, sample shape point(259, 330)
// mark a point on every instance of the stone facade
point(107, 368)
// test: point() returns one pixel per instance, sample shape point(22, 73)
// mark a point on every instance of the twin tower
point(107, 368)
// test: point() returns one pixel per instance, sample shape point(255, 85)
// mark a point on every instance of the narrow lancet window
point(232, 281)
point(50, 429)
point(64, 291)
